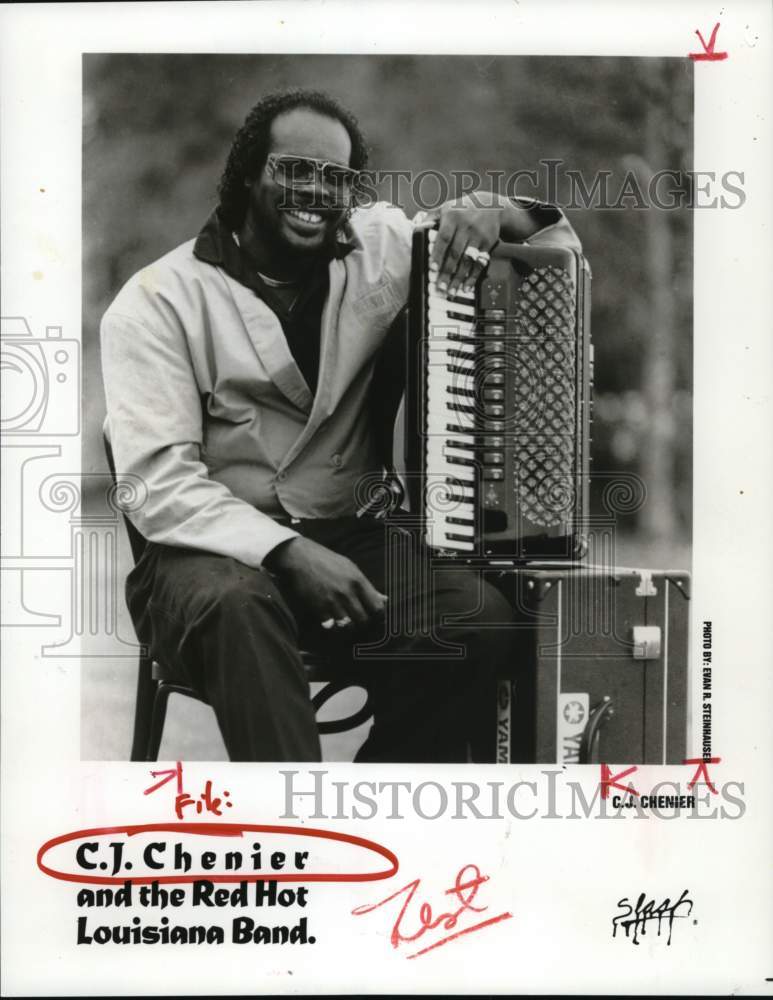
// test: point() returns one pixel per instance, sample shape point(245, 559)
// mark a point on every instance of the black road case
point(601, 672)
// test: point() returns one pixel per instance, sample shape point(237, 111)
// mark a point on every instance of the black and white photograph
point(390, 348)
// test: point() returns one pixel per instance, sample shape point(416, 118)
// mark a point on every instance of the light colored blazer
point(207, 406)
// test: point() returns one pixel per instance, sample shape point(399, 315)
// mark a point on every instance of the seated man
point(239, 380)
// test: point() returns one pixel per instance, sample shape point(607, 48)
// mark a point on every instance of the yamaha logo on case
point(573, 711)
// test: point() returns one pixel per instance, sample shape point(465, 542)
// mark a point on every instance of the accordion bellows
point(498, 405)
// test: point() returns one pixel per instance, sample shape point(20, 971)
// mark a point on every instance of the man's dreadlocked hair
point(250, 146)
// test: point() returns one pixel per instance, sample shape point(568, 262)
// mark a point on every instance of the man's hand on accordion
point(468, 229)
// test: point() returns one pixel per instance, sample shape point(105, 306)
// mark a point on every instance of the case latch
point(646, 642)
point(646, 587)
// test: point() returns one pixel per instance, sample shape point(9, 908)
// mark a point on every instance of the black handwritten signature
point(465, 888)
point(634, 919)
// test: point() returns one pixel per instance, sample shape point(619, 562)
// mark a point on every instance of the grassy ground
point(191, 733)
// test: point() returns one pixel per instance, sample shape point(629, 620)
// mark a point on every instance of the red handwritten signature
point(465, 888)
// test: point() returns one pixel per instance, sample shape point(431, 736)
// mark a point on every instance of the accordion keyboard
point(451, 457)
point(498, 404)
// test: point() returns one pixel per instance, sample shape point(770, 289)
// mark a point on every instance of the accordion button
point(494, 474)
point(495, 411)
point(493, 395)
point(493, 458)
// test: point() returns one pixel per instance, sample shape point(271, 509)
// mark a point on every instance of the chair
point(155, 684)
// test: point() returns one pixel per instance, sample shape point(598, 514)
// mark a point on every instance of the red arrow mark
point(708, 54)
point(175, 772)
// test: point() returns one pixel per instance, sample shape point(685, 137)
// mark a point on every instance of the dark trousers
point(430, 665)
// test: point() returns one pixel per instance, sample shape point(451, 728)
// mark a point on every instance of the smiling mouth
point(309, 218)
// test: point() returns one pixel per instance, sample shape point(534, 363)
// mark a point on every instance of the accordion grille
point(545, 393)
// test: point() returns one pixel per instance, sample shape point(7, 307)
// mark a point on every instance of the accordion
point(498, 405)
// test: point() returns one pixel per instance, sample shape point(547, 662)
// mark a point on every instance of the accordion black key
point(498, 405)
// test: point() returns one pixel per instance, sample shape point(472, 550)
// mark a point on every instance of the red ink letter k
point(609, 780)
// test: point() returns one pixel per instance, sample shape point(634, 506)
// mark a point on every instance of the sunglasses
point(291, 171)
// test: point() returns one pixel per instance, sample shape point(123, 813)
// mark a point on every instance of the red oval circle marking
point(222, 830)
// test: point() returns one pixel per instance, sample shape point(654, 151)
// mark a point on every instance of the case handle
point(589, 744)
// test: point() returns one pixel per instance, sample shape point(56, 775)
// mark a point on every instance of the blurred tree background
point(157, 129)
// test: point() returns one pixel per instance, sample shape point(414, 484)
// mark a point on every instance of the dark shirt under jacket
point(301, 324)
